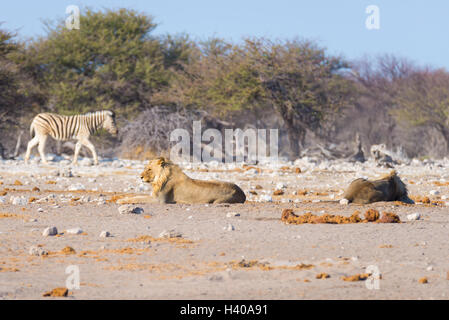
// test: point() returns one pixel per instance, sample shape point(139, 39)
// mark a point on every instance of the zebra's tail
point(32, 131)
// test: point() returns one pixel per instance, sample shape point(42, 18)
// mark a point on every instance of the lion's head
point(400, 189)
point(388, 188)
point(156, 172)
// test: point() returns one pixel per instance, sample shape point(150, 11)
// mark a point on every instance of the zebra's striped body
point(61, 127)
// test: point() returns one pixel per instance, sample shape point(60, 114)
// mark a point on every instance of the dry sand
point(262, 258)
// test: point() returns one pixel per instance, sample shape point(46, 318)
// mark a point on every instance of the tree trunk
point(445, 132)
point(296, 136)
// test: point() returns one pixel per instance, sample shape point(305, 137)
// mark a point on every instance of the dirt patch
point(289, 217)
point(423, 280)
point(371, 215)
point(388, 217)
point(13, 215)
point(5, 269)
point(266, 266)
point(356, 277)
point(68, 250)
point(146, 238)
point(57, 292)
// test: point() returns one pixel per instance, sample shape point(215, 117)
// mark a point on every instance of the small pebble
point(232, 214)
point(129, 209)
point(105, 234)
point(229, 227)
point(74, 231)
point(50, 231)
point(170, 234)
point(413, 216)
point(37, 251)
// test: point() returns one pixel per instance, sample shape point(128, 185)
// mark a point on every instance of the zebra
point(78, 127)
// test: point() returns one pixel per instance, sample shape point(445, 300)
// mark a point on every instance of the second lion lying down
point(171, 185)
point(387, 188)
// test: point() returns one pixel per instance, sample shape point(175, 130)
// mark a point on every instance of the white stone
point(229, 227)
point(434, 192)
point(413, 216)
point(37, 251)
point(170, 234)
point(19, 201)
point(50, 231)
point(65, 172)
point(76, 187)
point(105, 234)
point(281, 185)
point(2, 200)
point(74, 231)
point(344, 201)
point(266, 198)
point(232, 214)
point(40, 210)
point(129, 209)
point(48, 198)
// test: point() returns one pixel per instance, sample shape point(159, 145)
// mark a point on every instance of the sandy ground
point(253, 255)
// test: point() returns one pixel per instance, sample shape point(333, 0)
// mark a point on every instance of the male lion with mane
point(387, 188)
point(171, 185)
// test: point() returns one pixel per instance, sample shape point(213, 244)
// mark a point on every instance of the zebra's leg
point(91, 147)
point(31, 144)
point(41, 148)
point(77, 151)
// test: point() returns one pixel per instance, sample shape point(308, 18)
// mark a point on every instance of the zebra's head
point(109, 123)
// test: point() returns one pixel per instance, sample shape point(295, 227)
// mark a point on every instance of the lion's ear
point(161, 161)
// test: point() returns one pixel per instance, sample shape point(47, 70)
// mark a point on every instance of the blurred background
point(331, 76)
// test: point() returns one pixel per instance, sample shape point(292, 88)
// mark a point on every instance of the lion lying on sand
point(171, 185)
point(388, 188)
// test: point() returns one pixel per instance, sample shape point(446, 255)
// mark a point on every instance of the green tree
point(423, 100)
point(301, 82)
point(217, 77)
point(18, 91)
point(295, 79)
point(111, 62)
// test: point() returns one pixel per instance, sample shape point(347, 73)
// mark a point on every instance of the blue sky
point(418, 30)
